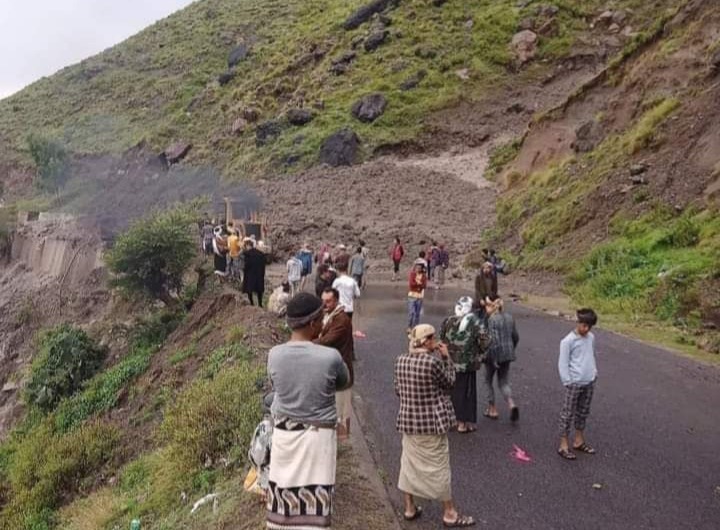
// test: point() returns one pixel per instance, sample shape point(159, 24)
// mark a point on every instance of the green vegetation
point(154, 254)
point(643, 134)
point(161, 85)
point(51, 160)
point(66, 357)
point(501, 156)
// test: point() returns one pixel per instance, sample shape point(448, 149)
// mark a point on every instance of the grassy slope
point(160, 84)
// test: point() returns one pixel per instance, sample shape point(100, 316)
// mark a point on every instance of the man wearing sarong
point(305, 377)
point(423, 378)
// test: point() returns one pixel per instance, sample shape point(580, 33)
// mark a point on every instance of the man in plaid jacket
point(423, 379)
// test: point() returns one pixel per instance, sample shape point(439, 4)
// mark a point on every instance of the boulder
point(340, 65)
point(524, 45)
point(299, 116)
point(365, 13)
point(369, 108)
point(226, 77)
point(604, 19)
point(238, 54)
point(267, 132)
point(176, 152)
point(375, 40)
point(587, 137)
point(342, 148)
point(413, 81)
point(638, 169)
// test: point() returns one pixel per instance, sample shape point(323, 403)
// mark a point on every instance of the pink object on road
point(520, 455)
point(359, 335)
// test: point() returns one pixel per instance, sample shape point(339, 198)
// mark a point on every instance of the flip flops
point(461, 521)
point(491, 416)
point(416, 515)
point(567, 455)
point(585, 448)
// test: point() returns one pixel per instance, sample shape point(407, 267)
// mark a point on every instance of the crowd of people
point(435, 380)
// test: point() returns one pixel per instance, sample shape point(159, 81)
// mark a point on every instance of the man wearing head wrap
point(305, 377)
point(486, 284)
point(423, 377)
point(467, 340)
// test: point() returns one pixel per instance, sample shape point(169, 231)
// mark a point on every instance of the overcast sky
point(39, 37)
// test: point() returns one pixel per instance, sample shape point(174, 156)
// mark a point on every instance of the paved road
point(655, 422)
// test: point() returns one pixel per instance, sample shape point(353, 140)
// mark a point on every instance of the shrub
point(50, 160)
point(153, 255)
point(66, 358)
point(213, 416)
point(47, 466)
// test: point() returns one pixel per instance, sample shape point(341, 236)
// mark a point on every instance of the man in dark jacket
point(337, 333)
point(254, 273)
point(486, 284)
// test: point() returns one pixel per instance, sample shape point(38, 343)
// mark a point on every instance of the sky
point(39, 37)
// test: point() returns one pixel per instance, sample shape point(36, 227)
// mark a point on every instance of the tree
point(51, 161)
point(154, 253)
point(66, 357)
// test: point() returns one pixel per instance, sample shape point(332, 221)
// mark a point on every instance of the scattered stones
point(267, 132)
point(238, 54)
point(370, 107)
point(176, 152)
point(463, 73)
point(638, 180)
point(638, 169)
point(604, 19)
point(239, 126)
point(413, 81)
point(299, 117)
point(375, 40)
point(547, 10)
point(250, 114)
point(226, 77)
point(341, 64)
point(515, 108)
point(524, 44)
point(365, 13)
point(342, 148)
point(587, 137)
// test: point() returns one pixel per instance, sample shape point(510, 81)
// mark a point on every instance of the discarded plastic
point(520, 455)
point(359, 335)
point(597, 486)
point(212, 497)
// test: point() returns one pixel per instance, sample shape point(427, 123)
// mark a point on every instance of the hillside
point(171, 82)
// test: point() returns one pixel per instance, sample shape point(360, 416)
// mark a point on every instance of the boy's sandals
point(491, 416)
point(461, 521)
point(566, 454)
point(466, 430)
point(584, 448)
point(416, 515)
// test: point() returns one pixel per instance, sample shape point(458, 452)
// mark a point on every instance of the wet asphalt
point(655, 423)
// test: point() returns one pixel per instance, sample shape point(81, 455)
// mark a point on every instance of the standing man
point(486, 284)
point(417, 282)
point(342, 258)
point(294, 274)
point(303, 460)
point(348, 289)
point(423, 378)
point(443, 262)
point(306, 257)
point(234, 251)
point(396, 254)
point(324, 278)
point(357, 266)
point(254, 273)
point(337, 333)
point(504, 339)
point(578, 373)
point(433, 257)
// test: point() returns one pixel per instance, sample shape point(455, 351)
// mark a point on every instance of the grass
point(501, 156)
point(160, 84)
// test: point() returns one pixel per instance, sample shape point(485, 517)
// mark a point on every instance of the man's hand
point(443, 350)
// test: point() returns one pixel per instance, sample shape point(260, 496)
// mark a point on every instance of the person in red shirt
point(417, 282)
point(396, 254)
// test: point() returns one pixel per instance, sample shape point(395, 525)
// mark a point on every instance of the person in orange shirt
point(234, 253)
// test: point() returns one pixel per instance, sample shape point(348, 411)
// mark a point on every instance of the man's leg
point(250, 297)
point(504, 383)
point(260, 295)
point(410, 507)
point(582, 412)
point(491, 411)
point(567, 414)
point(411, 312)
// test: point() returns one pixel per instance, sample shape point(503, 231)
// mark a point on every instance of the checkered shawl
point(422, 381)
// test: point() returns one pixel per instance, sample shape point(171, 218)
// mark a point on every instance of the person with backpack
point(396, 254)
point(306, 258)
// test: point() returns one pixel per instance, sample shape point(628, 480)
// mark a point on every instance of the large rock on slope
point(524, 45)
point(341, 149)
point(365, 13)
point(176, 152)
point(369, 108)
point(238, 54)
point(299, 117)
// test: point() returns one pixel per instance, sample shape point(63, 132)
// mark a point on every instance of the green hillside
point(162, 84)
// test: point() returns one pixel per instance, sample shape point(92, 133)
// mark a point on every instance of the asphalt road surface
point(655, 423)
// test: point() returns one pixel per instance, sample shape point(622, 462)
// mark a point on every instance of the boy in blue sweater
point(578, 373)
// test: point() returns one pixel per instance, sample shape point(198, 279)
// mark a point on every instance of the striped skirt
point(302, 479)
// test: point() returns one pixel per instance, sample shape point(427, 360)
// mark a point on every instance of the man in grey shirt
point(576, 365)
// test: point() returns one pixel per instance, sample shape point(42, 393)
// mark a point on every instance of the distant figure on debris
point(357, 266)
point(467, 340)
point(342, 258)
point(306, 257)
point(294, 274)
point(348, 289)
point(433, 257)
point(303, 459)
point(578, 372)
point(254, 273)
point(443, 262)
point(417, 283)
point(498, 263)
point(504, 339)
point(423, 378)
point(337, 332)
point(365, 251)
point(422, 258)
point(486, 284)
point(324, 278)
point(277, 304)
point(220, 250)
point(323, 256)
point(396, 254)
